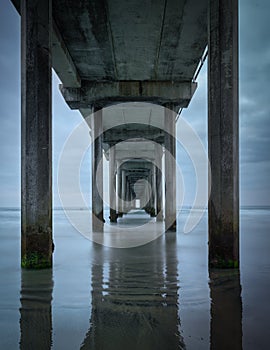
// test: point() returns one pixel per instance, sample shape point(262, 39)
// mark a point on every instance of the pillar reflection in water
point(226, 309)
point(135, 298)
point(36, 314)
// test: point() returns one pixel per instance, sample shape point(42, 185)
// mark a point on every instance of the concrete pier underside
point(108, 52)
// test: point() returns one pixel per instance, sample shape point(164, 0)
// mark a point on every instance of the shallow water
point(157, 296)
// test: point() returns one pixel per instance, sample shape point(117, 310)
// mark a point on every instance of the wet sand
point(156, 296)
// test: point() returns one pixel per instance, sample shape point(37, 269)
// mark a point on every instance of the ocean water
point(156, 296)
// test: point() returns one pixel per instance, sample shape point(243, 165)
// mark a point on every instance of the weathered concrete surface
point(223, 137)
point(170, 169)
point(36, 143)
point(107, 93)
point(97, 172)
point(107, 38)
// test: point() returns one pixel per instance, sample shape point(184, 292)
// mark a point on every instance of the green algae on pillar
point(36, 143)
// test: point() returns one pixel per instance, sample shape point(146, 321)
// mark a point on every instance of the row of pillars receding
point(122, 191)
point(36, 138)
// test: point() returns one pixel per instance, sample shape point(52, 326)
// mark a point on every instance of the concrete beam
point(36, 134)
point(133, 131)
point(62, 62)
point(223, 138)
point(105, 93)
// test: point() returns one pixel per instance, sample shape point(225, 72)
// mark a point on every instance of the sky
point(254, 68)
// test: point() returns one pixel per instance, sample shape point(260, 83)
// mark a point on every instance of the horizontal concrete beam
point(135, 154)
point(102, 94)
point(113, 136)
point(61, 60)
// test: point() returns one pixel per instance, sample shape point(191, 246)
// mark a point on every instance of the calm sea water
point(157, 296)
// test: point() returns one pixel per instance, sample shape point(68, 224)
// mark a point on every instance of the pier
point(109, 52)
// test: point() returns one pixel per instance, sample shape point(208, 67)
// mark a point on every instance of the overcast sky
point(254, 109)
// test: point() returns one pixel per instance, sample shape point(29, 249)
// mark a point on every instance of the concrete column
point(153, 191)
point(97, 171)
point(123, 191)
point(112, 185)
point(159, 188)
point(36, 143)
point(223, 140)
point(148, 194)
point(127, 196)
point(119, 192)
point(170, 170)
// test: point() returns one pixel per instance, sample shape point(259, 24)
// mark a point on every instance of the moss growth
point(224, 264)
point(35, 260)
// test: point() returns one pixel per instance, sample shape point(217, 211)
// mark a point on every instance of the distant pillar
point(36, 143)
point(159, 194)
point(153, 191)
point(112, 185)
point(223, 140)
point(170, 170)
point(127, 196)
point(97, 171)
point(123, 196)
point(119, 192)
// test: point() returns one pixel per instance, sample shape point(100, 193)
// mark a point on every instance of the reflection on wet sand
point(135, 302)
point(226, 309)
point(135, 298)
point(36, 315)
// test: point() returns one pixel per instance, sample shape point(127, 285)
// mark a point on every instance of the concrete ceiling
point(108, 51)
point(133, 39)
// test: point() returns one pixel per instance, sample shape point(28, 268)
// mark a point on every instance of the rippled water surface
point(157, 296)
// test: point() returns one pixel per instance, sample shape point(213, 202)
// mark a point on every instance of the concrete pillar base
point(113, 215)
point(172, 227)
point(97, 223)
point(36, 250)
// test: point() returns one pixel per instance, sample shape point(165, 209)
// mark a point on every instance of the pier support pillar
point(159, 194)
point(153, 191)
point(123, 191)
point(170, 169)
point(223, 148)
point(97, 171)
point(36, 143)
point(119, 192)
point(112, 185)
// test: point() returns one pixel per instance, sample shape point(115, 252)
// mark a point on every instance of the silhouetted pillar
point(223, 140)
point(123, 191)
point(112, 185)
point(119, 192)
point(170, 170)
point(36, 131)
point(97, 171)
point(127, 196)
point(153, 191)
point(159, 194)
